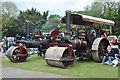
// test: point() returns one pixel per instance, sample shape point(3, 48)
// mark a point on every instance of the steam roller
point(59, 54)
point(17, 53)
point(77, 44)
point(64, 51)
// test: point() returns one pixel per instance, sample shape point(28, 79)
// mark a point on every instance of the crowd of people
point(6, 43)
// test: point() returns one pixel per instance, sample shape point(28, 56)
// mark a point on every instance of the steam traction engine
point(77, 44)
point(18, 52)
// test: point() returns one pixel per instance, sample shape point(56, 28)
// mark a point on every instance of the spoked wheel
point(99, 48)
point(14, 55)
point(19, 57)
point(102, 49)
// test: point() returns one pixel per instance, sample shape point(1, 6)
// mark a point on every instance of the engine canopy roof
point(80, 19)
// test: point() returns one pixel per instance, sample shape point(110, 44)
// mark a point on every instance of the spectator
point(11, 42)
point(116, 61)
point(0, 46)
point(5, 44)
point(109, 56)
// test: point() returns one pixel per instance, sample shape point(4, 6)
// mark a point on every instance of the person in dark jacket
point(110, 56)
point(5, 44)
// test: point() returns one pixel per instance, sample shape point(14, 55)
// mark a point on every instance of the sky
point(54, 6)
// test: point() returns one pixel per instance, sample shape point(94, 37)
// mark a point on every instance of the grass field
point(80, 69)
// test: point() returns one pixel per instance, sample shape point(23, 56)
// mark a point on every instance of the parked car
point(118, 41)
point(112, 39)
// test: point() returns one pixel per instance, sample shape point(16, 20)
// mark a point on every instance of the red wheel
point(53, 33)
point(102, 49)
point(17, 57)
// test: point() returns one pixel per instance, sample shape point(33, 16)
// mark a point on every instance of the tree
point(116, 29)
point(10, 9)
point(54, 16)
point(93, 10)
point(112, 13)
point(18, 25)
point(52, 23)
point(5, 24)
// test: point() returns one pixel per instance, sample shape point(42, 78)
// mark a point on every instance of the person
point(5, 44)
point(11, 42)
point(116, 61)
point(109, 56)
point(0, 46)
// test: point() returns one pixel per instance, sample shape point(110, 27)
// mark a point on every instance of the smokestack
point(68, 20)
point(28, 29)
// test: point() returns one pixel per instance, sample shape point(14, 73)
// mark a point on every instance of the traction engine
point(18, 51)
point(77, 44)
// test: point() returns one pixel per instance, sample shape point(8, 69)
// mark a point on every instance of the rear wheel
point(99, 49)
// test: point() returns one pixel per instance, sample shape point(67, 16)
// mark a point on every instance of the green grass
point(81, 69)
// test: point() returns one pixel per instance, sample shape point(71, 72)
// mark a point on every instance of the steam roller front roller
point(58, 56)
point(99, 48)
point(15, 54)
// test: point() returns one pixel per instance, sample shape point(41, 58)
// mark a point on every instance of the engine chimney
point(68, 20)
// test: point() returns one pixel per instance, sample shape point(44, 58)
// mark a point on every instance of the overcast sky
point(54, 6)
